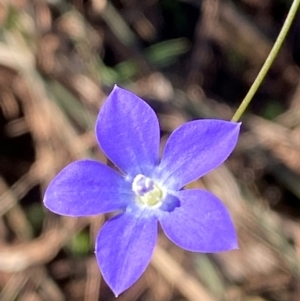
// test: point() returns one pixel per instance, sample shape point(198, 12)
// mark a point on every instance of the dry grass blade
point(188, 285)
point(92, 288)
point(40, 250)
point(13, 287)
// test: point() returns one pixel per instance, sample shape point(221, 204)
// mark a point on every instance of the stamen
point(147, 191)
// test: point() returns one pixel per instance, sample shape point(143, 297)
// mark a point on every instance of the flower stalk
point(269, 61)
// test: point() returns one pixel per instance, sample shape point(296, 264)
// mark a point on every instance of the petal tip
point(45, 202)
point(117, 291)
point(232, 244)
point(116, 87)
point(239, 124)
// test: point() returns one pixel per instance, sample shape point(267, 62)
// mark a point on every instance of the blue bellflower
point(148, 189)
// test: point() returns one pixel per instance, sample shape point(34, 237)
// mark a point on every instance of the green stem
point(269, 61)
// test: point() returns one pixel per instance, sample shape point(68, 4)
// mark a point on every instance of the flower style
point(147, 190)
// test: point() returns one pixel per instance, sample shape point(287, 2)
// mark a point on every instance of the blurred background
point(188, 59)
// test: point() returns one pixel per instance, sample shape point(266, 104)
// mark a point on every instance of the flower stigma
point(147, 191)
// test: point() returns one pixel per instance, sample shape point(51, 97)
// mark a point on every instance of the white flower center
point(147, 191)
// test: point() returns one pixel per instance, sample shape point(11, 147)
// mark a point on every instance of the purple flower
point(147, 190)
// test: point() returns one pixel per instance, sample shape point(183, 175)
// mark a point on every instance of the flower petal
point(124, 248)
point(200, 224)
point(127, 130)
point(194, 149)
point(87, 187)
